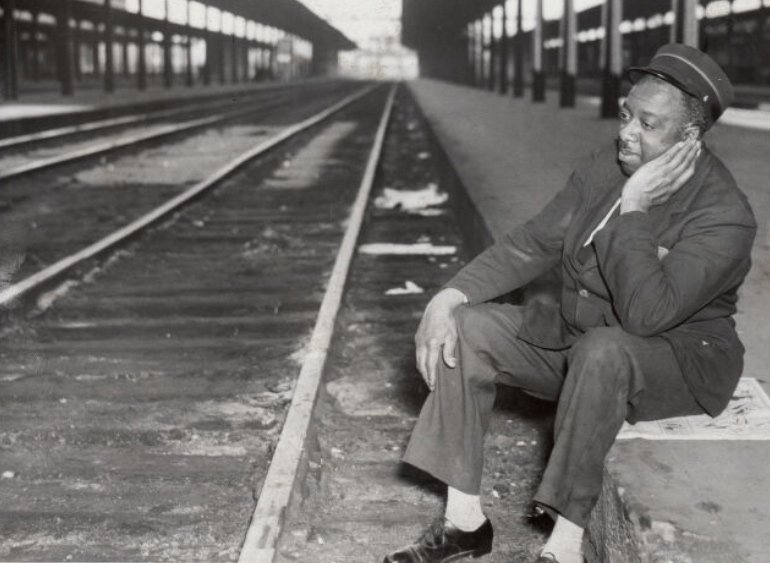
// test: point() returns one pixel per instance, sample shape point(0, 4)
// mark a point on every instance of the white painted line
point(416, 249)
point(48, 273)
point(267, 521)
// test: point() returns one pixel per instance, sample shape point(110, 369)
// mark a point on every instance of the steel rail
point(52, 271)
point(132, 119)
point(135, 139)
point(109, 123)
point(267, 521)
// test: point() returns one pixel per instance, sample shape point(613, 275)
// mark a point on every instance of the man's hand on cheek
point(657, 180)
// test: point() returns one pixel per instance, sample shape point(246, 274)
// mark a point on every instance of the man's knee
point(603, 349)
point(479, 327)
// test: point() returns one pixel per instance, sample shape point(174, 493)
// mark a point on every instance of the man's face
point(650, 123)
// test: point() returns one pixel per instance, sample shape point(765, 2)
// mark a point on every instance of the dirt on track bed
point(359, 502)
point(58, 211)
point(138, 412)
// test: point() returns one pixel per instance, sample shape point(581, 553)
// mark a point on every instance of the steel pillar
point(538, 75)
point(518, 53)
point(568, 56)
point(64, 48)
point(168, 69)
point(504, 45)
point(611, 58)
point(141, 61)
point(109, 36)
point(190, 78)
point(10, 52)
point(35, 49)
point(685, 27)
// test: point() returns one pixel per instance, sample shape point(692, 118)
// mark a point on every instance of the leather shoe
point(443, 542)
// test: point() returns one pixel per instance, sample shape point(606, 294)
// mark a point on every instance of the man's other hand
point(657, 180)
point(437, 334)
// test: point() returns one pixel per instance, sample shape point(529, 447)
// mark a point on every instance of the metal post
point(168, 69)
point(109, 66)
point(77, 48)
point(64, 48)
point(209, 58)
point(610, 58)
point(10, 57)
point(503, 52)
point(221, 47)
point(569, 56)
point(95, 49)
point(234, 57)
point(141, 71)
point(685, 28)
point(245, 58)
point(35, 48)
point(124, 53)
point(538, 76)
point(190, 79)
point(518, 53)
point(480, 53)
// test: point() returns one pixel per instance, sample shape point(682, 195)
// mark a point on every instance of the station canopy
point(289, 15)
point(424, 20)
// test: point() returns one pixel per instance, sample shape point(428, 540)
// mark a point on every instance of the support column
point(489, 69)
point(233, 57)
point(518, 53)
point(480, 53)
point(124, 53)
point(245, 59)
point(35, 48)
point(141, 61)
point(95, 39)
point(77, 47)
point(209, 58)
point(568, 56)
point(503, 52)
point(10, 52)
point(685, 28)
point(610, 58)
point(64, 48)
point(190, 79)
point(109, 66)
point(538, 76)
point(221, 56)
point(168, 69)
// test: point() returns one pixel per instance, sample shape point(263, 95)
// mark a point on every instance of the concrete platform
point(679, 501)
point(45, 109)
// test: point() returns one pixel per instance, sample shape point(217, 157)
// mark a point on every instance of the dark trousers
point(606, 377)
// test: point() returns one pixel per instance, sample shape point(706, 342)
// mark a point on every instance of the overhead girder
point(426, 21)
point(289, 15)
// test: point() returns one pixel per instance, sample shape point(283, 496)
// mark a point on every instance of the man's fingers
point(448, 350)
point(432, 361)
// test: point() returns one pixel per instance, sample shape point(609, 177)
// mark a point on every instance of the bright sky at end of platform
point(360, 20)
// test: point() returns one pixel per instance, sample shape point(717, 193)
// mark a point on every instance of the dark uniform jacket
point(672, 272)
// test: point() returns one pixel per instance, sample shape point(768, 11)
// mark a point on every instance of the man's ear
point(690, 132)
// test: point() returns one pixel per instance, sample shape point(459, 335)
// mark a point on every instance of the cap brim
point(633, 76)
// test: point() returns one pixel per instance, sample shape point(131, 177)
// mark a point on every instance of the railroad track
point(148, 394)
point(18, 158)
point(158, 389)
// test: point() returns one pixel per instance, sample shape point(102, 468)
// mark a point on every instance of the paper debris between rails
point(747, 417)
point(419, 248)
point(412, 201)
point(410, 288)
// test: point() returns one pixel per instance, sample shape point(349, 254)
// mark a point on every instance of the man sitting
point(653, 238)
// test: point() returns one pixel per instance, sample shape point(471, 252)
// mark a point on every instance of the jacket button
point(583, 293)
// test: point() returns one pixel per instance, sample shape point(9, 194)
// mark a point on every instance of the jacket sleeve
point(650, 294)
point(524, 253)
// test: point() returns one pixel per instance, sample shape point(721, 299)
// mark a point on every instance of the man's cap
point(693, 72)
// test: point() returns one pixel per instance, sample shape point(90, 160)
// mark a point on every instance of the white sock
point(565, 542)
point(463, 510)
